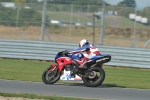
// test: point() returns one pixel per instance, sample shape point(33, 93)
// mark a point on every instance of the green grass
point(66, 16)
point(127, 77)
point(33, 96)
point(75, 18)
point(22, 70)
point(125, 22)
point(27, 70)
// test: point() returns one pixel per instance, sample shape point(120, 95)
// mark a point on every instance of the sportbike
point(92, 76)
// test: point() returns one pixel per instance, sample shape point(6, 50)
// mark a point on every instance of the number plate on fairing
point(67, 77)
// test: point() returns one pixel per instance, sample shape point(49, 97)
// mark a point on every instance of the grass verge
point(41, 97)
point(27, 70)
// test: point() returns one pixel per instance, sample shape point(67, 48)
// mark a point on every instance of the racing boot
point(74, 70)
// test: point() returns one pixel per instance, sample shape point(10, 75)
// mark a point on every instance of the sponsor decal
point(63, 78)
point(68, 76)
point(77, 79)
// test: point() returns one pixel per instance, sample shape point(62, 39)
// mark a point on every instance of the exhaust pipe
point(104, 59)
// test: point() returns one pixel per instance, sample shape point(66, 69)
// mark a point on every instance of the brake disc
point(92, 74)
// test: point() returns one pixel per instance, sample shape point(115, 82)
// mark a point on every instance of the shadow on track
point(82, 85)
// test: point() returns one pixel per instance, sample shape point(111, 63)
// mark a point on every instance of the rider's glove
point(87, 49)
point(66, 53)
point(60, 53)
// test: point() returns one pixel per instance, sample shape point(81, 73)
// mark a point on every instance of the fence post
point(102, 23)
point(147, 43)
point(17, 19)
point(71, 12)
point(43, 20)
point(134, 32)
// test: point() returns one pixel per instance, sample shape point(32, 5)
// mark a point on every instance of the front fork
point(58, 67)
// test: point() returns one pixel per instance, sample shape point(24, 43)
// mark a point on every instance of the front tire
point(50, 77)
point(96, 79)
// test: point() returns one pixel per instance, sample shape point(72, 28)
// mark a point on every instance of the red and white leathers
point(92, 52)
point(88, 54)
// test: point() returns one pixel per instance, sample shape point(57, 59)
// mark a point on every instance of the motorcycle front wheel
point(95, 77)
point(50, 76)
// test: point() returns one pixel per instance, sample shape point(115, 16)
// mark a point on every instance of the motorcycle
point(92, 76)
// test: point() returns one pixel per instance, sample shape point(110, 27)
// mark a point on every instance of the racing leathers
point(89, 51)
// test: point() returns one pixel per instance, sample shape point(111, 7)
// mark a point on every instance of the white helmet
point(83, 42)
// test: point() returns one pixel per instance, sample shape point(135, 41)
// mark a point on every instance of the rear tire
point(96, 80)
point(50, 77)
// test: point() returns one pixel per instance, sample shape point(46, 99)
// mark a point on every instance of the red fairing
point(53, 66)
point(63, 61)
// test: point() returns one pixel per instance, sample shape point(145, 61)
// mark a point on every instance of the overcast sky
point(140, 3)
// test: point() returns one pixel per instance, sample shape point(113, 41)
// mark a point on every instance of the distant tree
point(77, 2)
point(128, 3)
point(31, 1)
point(27, 17)
point(6, 0)
point(19, 1)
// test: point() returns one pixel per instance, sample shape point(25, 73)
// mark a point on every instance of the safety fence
point(41, 50)
point(123, 26)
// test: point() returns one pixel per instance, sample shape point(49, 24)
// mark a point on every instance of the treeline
point(25, 17)
point(9, 16)
point(74, 2)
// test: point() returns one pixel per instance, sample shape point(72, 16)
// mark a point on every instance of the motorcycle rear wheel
point(94, 79)
point(50, 77)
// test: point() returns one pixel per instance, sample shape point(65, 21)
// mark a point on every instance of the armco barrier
point(40, 50)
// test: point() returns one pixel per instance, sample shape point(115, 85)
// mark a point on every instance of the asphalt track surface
point(77, 90)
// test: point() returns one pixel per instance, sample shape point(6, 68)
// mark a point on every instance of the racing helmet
point(83, 42)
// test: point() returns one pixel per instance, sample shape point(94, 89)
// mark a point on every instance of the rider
point(90, 50)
